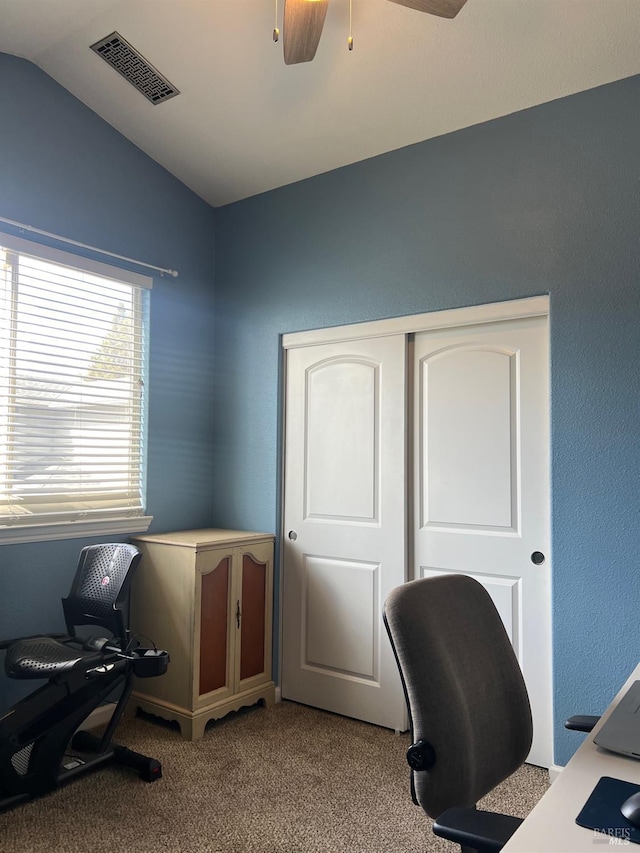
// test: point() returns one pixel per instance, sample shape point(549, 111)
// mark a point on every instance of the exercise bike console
point(149, 663)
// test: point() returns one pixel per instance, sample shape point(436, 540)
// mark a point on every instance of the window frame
point(119, 522)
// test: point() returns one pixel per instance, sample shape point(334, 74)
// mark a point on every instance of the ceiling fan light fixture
point(304, 20)
point(302, 28)
point(441, 8)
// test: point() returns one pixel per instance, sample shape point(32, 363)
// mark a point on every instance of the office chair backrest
point(464, 688)
point(100, 590)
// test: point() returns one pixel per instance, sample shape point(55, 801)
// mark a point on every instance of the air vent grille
point(117, 51)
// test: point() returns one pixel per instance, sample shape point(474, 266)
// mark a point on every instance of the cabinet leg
point(269, 699)
point(194, 729)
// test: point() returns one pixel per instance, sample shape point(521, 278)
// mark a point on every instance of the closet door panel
point(481, 495)
point(344, 534)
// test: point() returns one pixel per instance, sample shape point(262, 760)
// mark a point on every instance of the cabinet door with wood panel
point(254, 594)
point(214, 638)
point(205, 596)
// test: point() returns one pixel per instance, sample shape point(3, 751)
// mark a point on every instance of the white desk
point(551, 825)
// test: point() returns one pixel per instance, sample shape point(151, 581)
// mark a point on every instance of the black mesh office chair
point(40, 747)
point(468, 705)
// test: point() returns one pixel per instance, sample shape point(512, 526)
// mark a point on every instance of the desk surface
point(551, 824)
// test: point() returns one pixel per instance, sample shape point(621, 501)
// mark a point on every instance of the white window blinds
point(72, 406)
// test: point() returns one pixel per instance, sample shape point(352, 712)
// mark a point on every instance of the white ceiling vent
point(134, 67)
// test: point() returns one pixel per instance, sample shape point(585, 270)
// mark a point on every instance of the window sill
point(12, 535)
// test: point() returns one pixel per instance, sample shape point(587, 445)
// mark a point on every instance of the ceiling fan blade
point(302, 28)
point(441, 8)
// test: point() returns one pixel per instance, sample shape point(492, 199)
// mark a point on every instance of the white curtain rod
point(23, 227)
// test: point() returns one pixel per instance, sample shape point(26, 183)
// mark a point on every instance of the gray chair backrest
point(465, 691)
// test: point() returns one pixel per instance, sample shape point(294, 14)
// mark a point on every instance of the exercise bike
point(41, 746)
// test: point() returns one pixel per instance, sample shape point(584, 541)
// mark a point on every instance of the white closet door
point(473, 494)
point(481, 489)
point(344, 525)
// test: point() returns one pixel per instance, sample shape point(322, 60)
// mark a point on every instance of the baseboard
point(554, 771)
point(98, 717)
point(101, 716)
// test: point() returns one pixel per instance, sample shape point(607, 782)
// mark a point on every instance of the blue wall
point(542, 201)
point(64, 170)
point(545, 200)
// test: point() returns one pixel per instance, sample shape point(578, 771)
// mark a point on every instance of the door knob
point(537, 558)
point(293, 535)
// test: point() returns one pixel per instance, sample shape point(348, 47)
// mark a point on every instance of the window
point(72, 395)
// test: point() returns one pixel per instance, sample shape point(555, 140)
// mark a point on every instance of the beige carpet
point(290, 779)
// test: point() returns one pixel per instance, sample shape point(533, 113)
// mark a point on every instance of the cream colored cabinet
point(206, 597)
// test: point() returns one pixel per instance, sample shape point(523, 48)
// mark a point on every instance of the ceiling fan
point(304, 19)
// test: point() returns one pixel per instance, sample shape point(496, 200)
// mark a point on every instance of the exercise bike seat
point(45, 657)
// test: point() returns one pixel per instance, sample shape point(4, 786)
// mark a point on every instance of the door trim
point(534, 306)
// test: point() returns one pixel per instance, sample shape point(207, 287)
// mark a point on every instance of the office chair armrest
point(4, 644)
point(581, 723)
point(486, 832)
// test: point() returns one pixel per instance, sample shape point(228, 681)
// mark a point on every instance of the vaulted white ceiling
point(245, 123)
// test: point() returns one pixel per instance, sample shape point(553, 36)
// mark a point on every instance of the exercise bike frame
point(40, 745)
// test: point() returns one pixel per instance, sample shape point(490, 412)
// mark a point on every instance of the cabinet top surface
point(205, 537)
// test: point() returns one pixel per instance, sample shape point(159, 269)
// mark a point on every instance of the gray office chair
point(468, 705)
